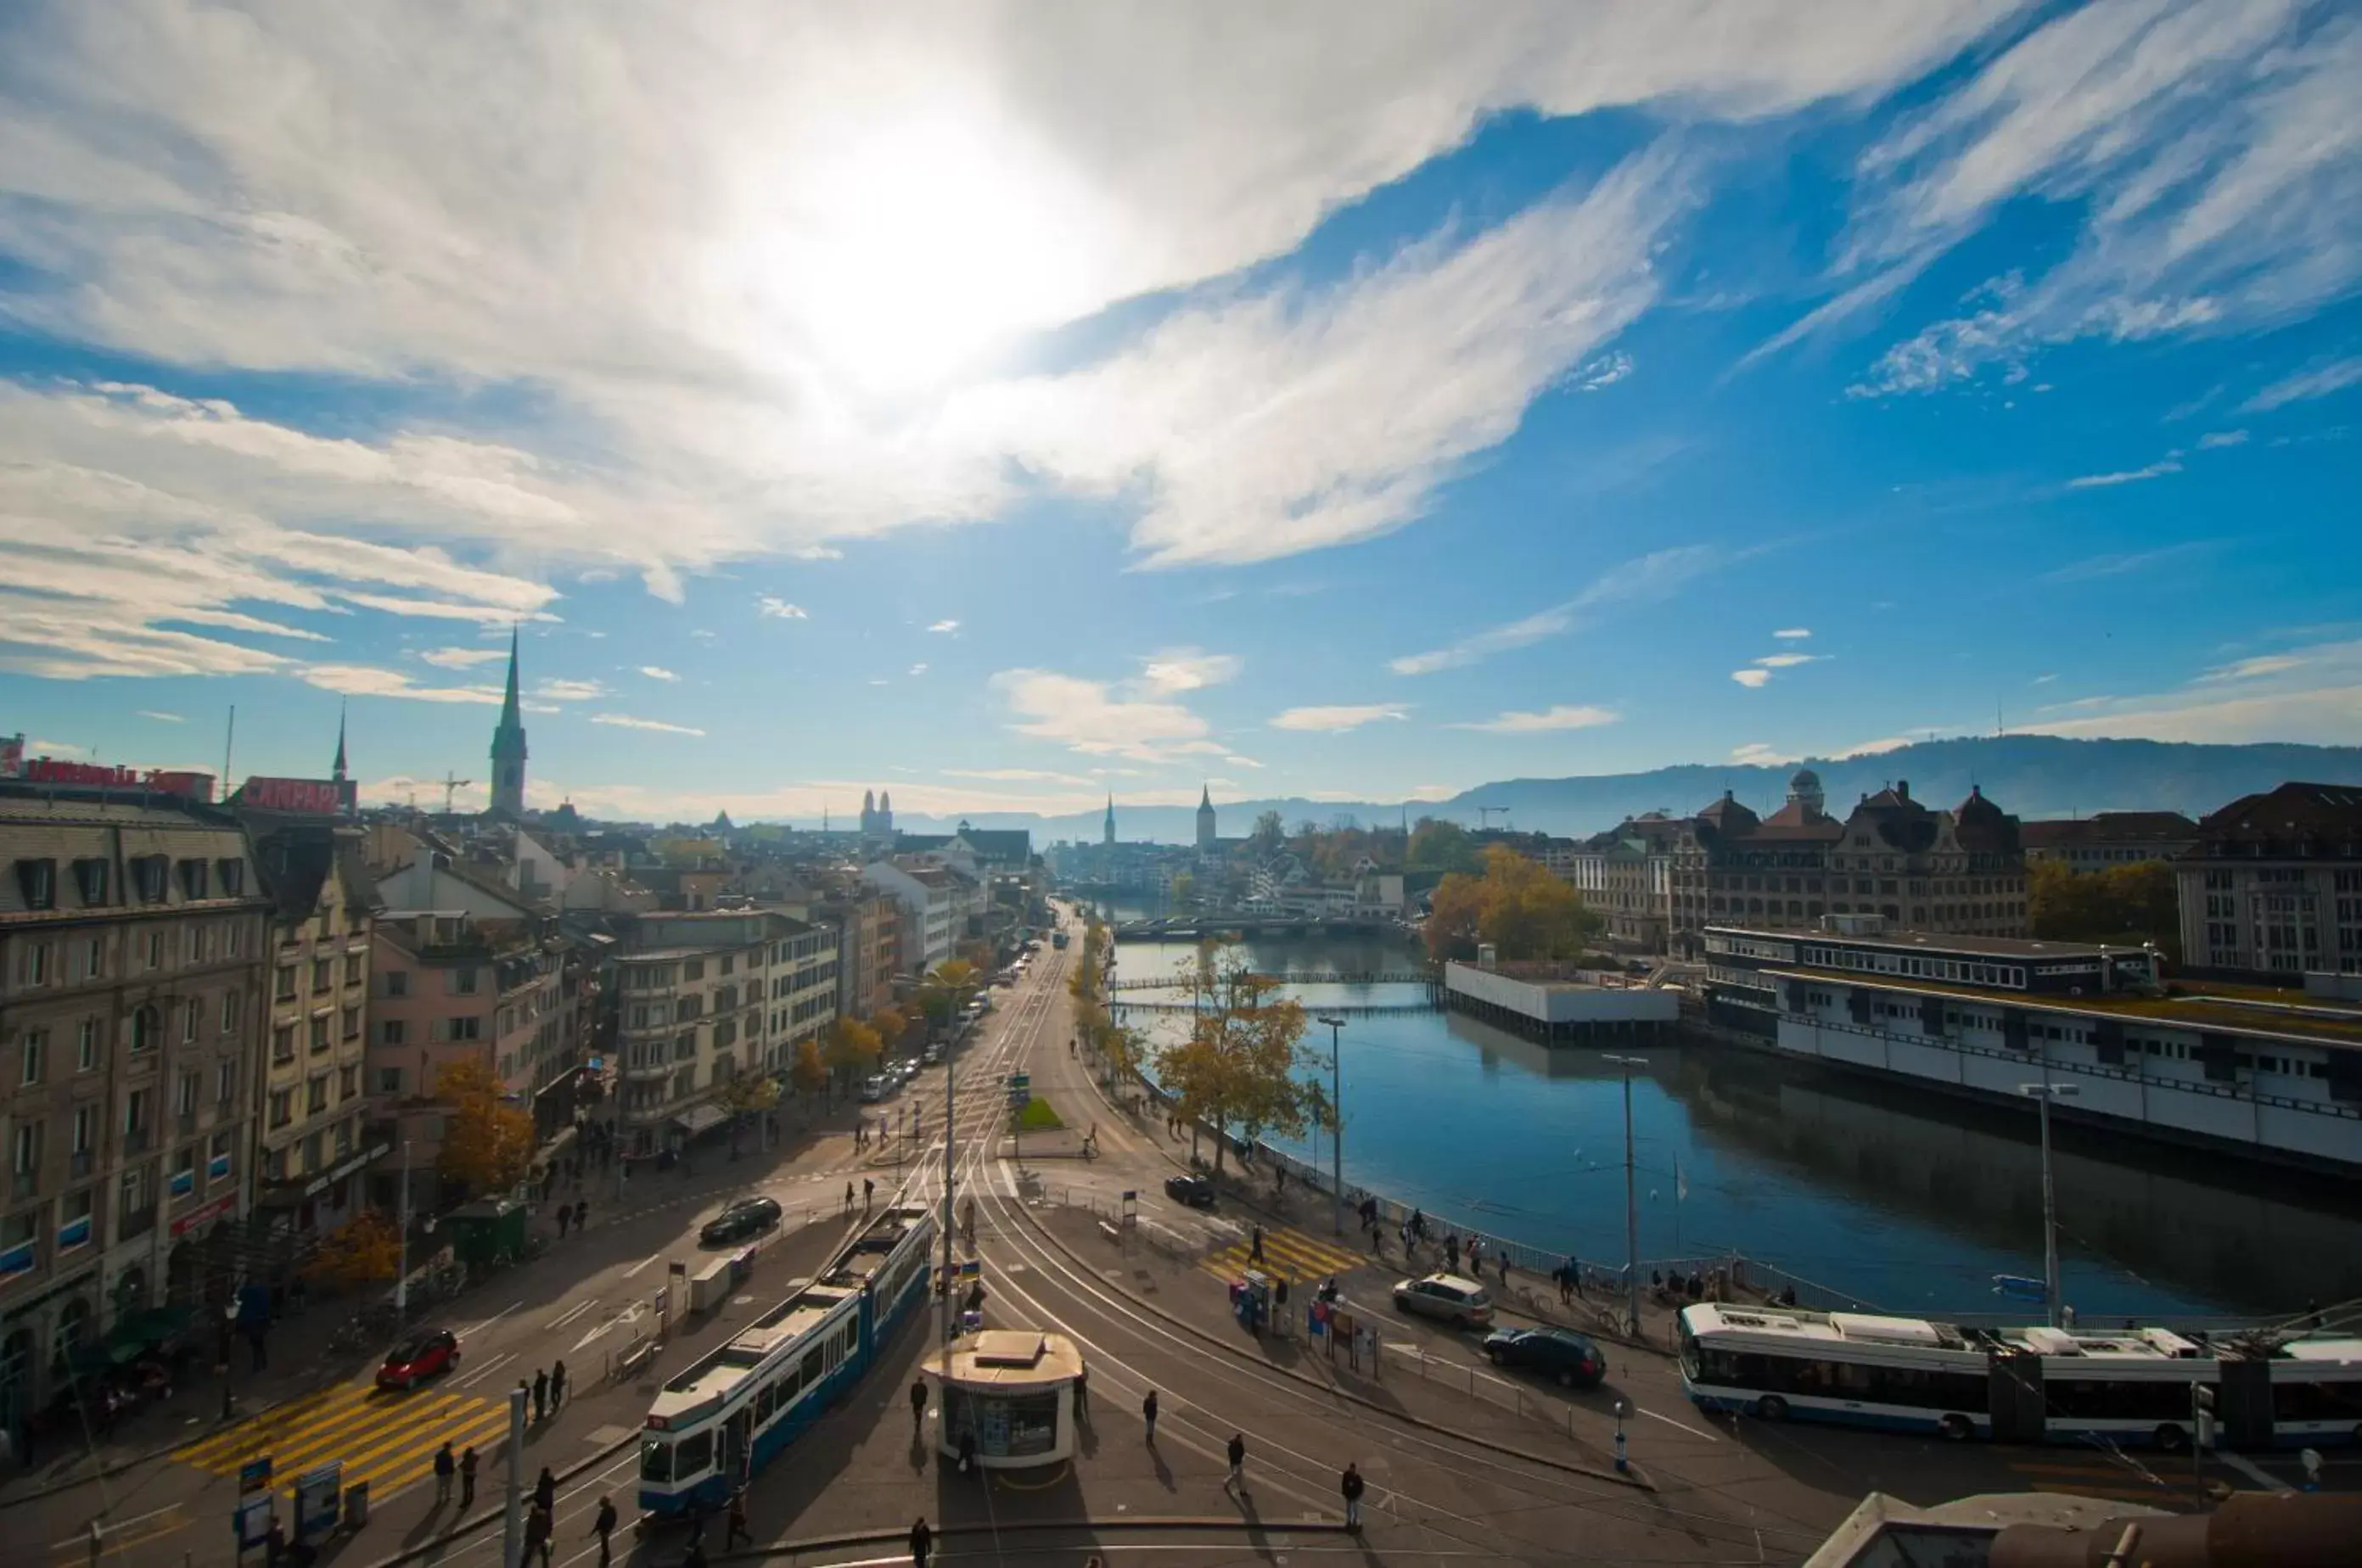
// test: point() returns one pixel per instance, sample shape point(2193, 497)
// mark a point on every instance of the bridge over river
point(1293, 976)
point(1190, 928)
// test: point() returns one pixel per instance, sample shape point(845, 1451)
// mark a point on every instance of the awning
point(698, 1118)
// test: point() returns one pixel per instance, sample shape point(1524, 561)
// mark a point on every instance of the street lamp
point(2044, 1093)
point(1631, 1197)
point(401, 1264)
point(1336, 1118)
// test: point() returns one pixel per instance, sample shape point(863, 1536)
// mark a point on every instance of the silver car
point(1447, 1298)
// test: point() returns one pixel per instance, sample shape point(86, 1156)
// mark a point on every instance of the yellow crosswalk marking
point(388, 1440)
point(1287, 1252)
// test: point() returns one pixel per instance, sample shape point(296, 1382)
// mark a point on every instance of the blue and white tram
point(720, 1421)
point(1851, 1367)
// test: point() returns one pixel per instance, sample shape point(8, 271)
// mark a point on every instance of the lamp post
point(1336, 1119)
point(2043, 1094)
point(1631, 1197)
point(402, 1263)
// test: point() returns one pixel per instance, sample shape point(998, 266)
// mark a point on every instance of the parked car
point(873, 1088)
point(1448, 1297)
point(1194, 1190)
point(746, 1217)
point(419, 1357)
point(933, 1055)
point(1567, 1358)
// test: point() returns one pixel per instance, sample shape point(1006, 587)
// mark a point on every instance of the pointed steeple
point(509, 715)
point(1205, 797)
point(337, 771)
point(1107, 833)
point(508, 746)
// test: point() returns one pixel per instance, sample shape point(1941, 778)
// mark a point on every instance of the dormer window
point(194, 880)
point(149, 876)
point(90, 879)
point(37, 882)
point(231, 876)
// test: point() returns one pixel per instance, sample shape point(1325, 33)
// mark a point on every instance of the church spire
point(509, 715)
point(1107, 832)
point(337, 771)
point(508, 746)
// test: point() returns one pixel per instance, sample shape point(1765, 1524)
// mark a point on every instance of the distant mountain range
point(2028, 775)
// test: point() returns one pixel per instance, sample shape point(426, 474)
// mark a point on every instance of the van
point(873, 1089)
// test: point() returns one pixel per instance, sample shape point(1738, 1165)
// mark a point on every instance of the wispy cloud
point(1790, 661)
point(1017, 776)
point(1561, 716)
point(462, 658)
point(1761, 754)
point(920, 668)
point(365, 680)
point(1862, 300)
point(815, 552)
point(1089, 716)
point(944, 626)
point(778, 608)
point(1188, 669)
point(1337, 717)
point(1794, 633)
point(161, 718)
point(1646, 579)
point(2118, 564)
point(2156, 470)
point(568, 691)
point(2215, 440)
point(1753, 679)
point(659, 726)
point(2318, 381)
point(2311, 695)
point(657, 672)
point(2254, 668)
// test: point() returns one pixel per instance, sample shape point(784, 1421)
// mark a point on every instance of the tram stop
point(1013, 1391)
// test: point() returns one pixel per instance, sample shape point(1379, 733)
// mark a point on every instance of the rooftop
point(2023, 948)
point(2249, 1010)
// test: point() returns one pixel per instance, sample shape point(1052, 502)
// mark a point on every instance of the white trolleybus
point(2135, 1385)
point(721, 1420)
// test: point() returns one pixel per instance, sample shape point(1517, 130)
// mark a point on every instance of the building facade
point(133, 940)
point(2109, 839)
point(2273, 887)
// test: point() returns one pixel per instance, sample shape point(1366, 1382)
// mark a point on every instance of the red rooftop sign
point(309, 797)
point(104, 775)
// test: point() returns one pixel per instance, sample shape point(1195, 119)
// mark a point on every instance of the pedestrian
point(604, 1527)
point(446, 1468)
point(557, 1386)
point(1148, 1413)
point(536, 1534)
point(869, 1191)
point(695, 1556)
point(1419, 1223)
point(1255, 1252)
point(966, 1452)
point(540, 1394)
point(565, 1213)
point(737, 1530)
point(544, 1490)
point(468, 1463)
point(1452, 1251)
point(922, 1542)
point(1501, 1257)
point(1352, 1486)
point(581, 1215)
point(1083, 1394)
point(917, 1405)
point(274, 1544)
point(1236, 1481)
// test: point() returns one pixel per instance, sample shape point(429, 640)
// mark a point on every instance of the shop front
point(1011, 1392)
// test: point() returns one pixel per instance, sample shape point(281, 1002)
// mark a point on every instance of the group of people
point(546, 1390)
point(577, 1214)
point(1451, 1246)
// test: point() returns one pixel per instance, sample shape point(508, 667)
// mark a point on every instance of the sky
point(1007, 405)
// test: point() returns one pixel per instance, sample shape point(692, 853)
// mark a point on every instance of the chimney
point(1903, 789)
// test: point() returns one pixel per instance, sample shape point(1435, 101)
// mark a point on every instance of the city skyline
point(1566, 399)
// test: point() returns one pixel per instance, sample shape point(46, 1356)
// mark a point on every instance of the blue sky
point(1005, 407)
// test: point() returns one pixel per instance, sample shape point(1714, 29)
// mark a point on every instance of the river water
point(1907, 1201)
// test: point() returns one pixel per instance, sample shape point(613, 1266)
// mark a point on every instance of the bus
point(2307, 1392)
point(713, 1426)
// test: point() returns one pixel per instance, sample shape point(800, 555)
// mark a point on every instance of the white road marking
point(1669, 1420)
point(488, 1323)
point(2253, 1471)
point(642, 1263)
point(485, 1370)
point(571, 1314)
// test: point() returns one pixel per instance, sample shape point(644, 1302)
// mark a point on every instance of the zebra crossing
point(386, 1438)
point(1288, 1252)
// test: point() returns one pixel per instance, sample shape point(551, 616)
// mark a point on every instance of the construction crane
point(450, 786)
point(1485, 816)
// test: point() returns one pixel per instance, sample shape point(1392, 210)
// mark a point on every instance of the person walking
point(446, 1468)
point(536, 1535)
point(1083, 1395)
point(737, 1530)
point(1452, 1251)
point(1148, 1414)
point(848, 1198)
point(1255, 1252)
point(540, 1395)
point(582, 1216)
point(922, 1542)
point(565, 1215)
point(545, 1491)
point(1350, 1484)
point(468, 1463)
point(604, 1527)
point(557, 1386)
point(869, 1191)
point(917, 1405)
point(967, 1453)
point(1235, 1484)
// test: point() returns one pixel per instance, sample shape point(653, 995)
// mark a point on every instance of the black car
point(746, 1217)
point(1569, 1359)
point(1194, 1190)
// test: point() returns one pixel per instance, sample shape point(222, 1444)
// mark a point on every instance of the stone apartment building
point(2109, 839)
point(133, 946)
point(2273, 887)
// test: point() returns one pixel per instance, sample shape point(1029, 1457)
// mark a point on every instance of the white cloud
point(38, 748)
point(2254, 668)
point(1561, 716)
point(569, 691)
point(462, 658)
point(1088, 717)
point(2318, 381)
point(1878, 748)
point(1760, 754)
point(1602, 372)
point(779, 608)
point(1753, 679)
point(918, 669)
point(945, 626)
point(1189, 669)
point(1790, 661)
point(625, 722)
point(2211, 151)
point(1017, 776)
point(815, 552)
point(365, 680)
point(161, 718)
point(2156, 470)
point(657, 672)
point(1646, 579)
point(2311, 695)
point(2045, 679)
point(2119, 563)
point(1793, 633)
point(1236, 761)
point(2215, 440)
point(1335, 719)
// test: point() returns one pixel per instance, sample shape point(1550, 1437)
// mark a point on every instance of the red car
point(419, 1357)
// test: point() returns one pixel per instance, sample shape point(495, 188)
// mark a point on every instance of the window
point(353, 969)
point(324, 973)
point(135, 1110)
point(94, 959)
point(225, 1082)
point(282, 1107)
point(184, 1097)
point(193, 1012)
point(32, 1049)
point(40, 963)
point(87, 1045)
point(147, 1028)
point(73, 1219)
point(90, 879)
point(229, 932)
point(85, 1128)
point(463, 983)
point(155, 949)
point(192, 945)
point(315, 1094)
point(467, 1028)
point(349, 1083)
point(693, 969)
point(283, 987)
point(194, 880)
point(392, 1031)
point(352, 1022)
point(282, 1043)
point(149, 875)
point(319, 1033)
point(27, 1157)
point(219, 1159)
point(389, 1081)
point(38, 881)
point(397, 983)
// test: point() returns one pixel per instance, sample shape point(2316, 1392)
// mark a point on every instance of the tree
point(1184, 888)
point(1238, 1066)
point(1440, 846)
point(809, 1073)
point(487, 1145)
point(849, 1047)
point(746, 1095)
point(2128, 904)
point(1519, 907)
point(888, 1023)
point(1269, 832)
point(364, 1250)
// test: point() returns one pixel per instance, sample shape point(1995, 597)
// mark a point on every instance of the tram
point(2133, 1387)
point(721, 1420)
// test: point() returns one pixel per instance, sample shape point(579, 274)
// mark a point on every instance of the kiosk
point(1014, 1390)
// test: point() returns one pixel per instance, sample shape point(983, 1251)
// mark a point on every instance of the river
point(1906, 1200)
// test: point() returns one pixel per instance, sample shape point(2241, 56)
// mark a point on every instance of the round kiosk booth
point(1013, 1391)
